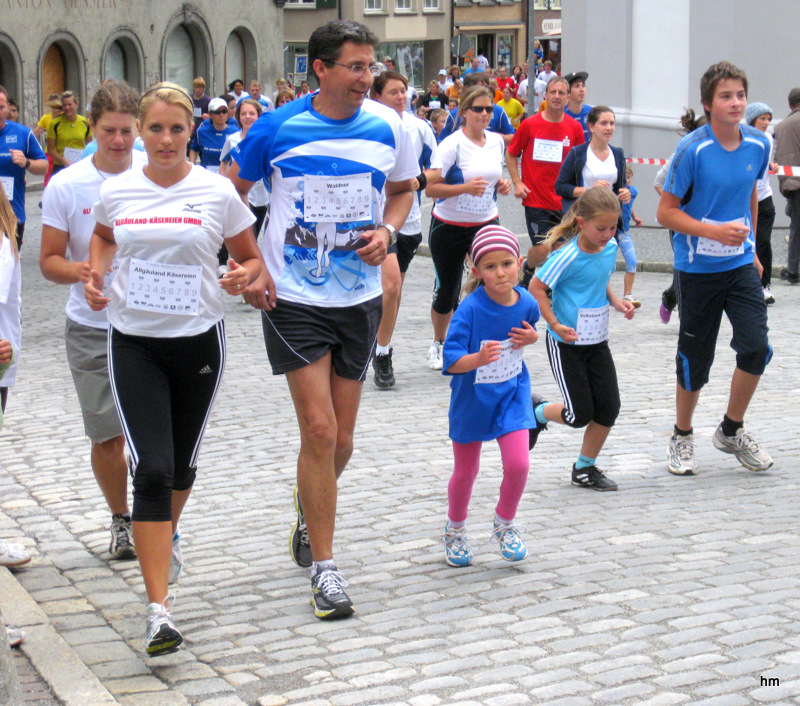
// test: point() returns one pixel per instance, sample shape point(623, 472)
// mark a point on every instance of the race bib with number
point(713, 248)
point(333, 199)
point(548, 150)
point(8, 185)
point(507, 366)
point(197, 112)
point(164, 289)
point(476, 204)
point(73, 155)
point(592, 326)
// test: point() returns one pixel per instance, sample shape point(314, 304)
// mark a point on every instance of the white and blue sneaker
point(509, 536)
point(176, 559)
point(163, 637)
point(457, 551)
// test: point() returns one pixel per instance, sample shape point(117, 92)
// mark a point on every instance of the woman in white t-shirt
point(67, 225)
point(247, 112)
point(466, 200)
point(165, 223)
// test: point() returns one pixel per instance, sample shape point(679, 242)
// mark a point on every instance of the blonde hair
point(8, 221)
point(591, 203)
point(169, 93)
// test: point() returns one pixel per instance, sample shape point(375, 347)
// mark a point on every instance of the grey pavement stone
point(673, 590)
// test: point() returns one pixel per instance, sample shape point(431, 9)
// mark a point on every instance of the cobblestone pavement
point(673, 590)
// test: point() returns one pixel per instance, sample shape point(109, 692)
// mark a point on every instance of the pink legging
point(516, 462)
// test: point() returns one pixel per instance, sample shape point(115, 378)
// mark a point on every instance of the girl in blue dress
point(490, 389)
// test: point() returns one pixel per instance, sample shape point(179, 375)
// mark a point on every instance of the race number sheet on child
point(164, 289)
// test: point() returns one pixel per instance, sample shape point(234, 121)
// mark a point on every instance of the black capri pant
point(164, 389)
point(449, 245)
point(587, 379)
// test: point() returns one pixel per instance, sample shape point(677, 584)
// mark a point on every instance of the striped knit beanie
point(492, 238)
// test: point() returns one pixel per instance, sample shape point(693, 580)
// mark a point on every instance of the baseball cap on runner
point(492, 238)
point(576, 76)
point(215, 104)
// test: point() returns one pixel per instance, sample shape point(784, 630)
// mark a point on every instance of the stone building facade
point(48, 46)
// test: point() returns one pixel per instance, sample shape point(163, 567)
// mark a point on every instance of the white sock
point(382, 350)
point(455, 525)
point(320, 566)
point(500, 521)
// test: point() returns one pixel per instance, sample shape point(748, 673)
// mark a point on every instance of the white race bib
point(476, 204)
point(335, 199)
point(164, 289)
point(592, 326)
point(713, 248)
point(507, 366)
point(548, 150)
point(8, 185)
point(197, 112)
point(7, 263)
point(73, 155)
point(213, 168)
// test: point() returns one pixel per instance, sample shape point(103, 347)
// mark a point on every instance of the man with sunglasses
point(341, 170)
point(543, 140)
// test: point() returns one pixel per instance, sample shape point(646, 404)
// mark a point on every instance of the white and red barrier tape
point(782, 170)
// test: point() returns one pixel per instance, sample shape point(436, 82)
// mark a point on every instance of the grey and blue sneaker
point(457, 551)
point(744, 447)
point(162, 635)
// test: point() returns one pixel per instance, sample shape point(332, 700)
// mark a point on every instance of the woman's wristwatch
point(392, 232)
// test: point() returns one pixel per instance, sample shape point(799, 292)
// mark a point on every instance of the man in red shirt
point(543, 140)
point(503, 79)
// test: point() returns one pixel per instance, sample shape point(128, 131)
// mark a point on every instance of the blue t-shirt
point(312, 259)
point(722, 182)
point(627, 209)
point(581, 118)
point(208, 143)
point(499, 123)
point(578, 280)
point(17, 137)
point(481, 412)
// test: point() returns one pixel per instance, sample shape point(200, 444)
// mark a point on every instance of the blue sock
point(539, 412)
point(584, 461)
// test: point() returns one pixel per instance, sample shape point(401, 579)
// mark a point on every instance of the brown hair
point(470, 95)
point(722, 71)
point(596, 112)
point(247, 101)
point(379, 85)
point(591, 203)
point(114, 96)
point(287, 95)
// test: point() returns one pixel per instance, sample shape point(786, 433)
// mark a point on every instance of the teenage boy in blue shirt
point(710, 201)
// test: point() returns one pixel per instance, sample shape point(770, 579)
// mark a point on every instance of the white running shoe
point(680, 455)
point(121, 545)
point(12, 554)
point(162, 635)
point(633, 300)
point(435, 356)
point(768, 297)
point(744, 447)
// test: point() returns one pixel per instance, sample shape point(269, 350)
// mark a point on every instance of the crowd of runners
point(150, 242)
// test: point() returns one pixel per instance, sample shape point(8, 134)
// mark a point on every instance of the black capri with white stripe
point(164, 389)
point(587, 379)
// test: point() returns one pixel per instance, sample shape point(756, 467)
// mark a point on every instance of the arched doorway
point(10, 71)
point(62, 69)
point(240, 57)
point(122, 61)
point(186, 56)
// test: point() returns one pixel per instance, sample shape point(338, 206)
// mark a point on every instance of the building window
point(373, 5)
point(431, 4)
point(122, 62)
point(301, 3)
point(546, 4)
point(408, 58)
point(403, 5)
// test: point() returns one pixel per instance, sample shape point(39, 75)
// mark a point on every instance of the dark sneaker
point(163, 637)
point(121, 546)
point(787, 276)
point(527, 275)
point(328, 596)
point(591, 477)
point(533, 434)
point(299, 546)
point(384, 373)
